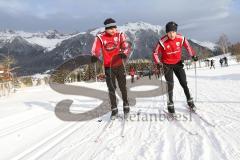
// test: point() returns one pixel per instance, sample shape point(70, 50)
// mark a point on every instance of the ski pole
point(162, 73)
point(95, 67)
point(195, 68)
point(130, 55)
point(124, 67)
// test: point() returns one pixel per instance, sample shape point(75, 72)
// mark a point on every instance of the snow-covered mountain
point(47, 40)
point(133, 28)
point(38, 52)
point(210, 45)
point(51, 38)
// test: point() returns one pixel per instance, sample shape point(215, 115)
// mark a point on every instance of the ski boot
point(126, 111)
point(170, 107)
point(114, 114)
point(191, 105)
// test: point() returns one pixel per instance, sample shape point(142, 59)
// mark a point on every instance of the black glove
point(195, 58)
point(94, 59)
point(159, 66)
point(122, 55)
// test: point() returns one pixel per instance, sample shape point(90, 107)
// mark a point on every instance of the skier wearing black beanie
point(110, 23)
point(170, 49)
point(114, 48)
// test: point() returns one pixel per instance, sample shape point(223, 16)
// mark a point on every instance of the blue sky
point(201, 19)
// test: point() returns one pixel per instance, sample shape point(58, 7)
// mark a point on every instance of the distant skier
point(225, 61)
point(156, 72)
point(206, 62)
point(221, 62)
point(212, 64)
point(132, 73)
point(170, 48)
point(114, 48)
point(141, 73)
point(149, 73)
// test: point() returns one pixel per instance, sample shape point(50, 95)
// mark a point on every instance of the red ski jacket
point(132, 71)
point(171, 50)
point(110, 46)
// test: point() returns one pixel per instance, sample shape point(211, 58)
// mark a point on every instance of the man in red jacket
point(114, 48)
point(132, 73)
point(170, 48)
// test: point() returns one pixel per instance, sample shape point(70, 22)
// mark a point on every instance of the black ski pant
point(132, 79)
point(181, 76)
point(111, 75)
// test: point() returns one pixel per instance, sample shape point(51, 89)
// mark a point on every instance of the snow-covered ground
point(29, 128)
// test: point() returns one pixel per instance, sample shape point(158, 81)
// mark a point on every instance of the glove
point(195, 58)
point(94, 59)
point(159, 66)
point(122, 55)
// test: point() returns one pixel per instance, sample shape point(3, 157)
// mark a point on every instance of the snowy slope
point(29, 128)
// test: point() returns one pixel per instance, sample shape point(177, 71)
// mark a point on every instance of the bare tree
point(235, 50)
point(224, 43)
point(7, 60)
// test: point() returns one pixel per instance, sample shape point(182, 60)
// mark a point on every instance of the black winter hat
point(110, 23)
point(171, 26)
